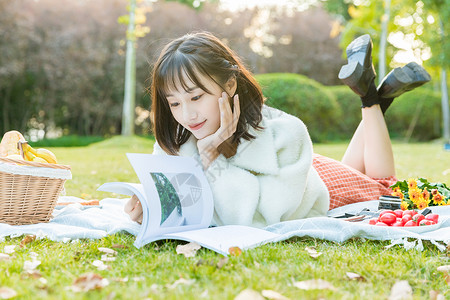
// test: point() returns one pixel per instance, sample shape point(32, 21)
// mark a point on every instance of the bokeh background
point(62, 62)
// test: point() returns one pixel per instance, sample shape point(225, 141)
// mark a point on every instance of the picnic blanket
point(77, 222)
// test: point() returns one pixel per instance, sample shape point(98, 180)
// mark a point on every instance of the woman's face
point(195, 109)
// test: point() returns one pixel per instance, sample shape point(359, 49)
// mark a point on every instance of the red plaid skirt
point(347, 185)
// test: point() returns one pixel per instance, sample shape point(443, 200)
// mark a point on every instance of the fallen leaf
point(222, 262)
point(204, 294)
point(107, 257)
point(4, 256)
point(446, 271)
point(119, 246)
point(7, 293)
point(249, 294)
point(138, 278)
point(30, 266)
point(354, 276)
point(26, 240)
point(100, 265)
point(9, 249)
point(188, 250)
point(313, 252)
point(435, 295)
point(88, 282)
point(234, 251)
point(107, 250)
point(314, 284)
point(180, 281)
point(269, 294)
point(401, 291)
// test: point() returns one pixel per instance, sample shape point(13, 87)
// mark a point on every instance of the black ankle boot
point(399, 81)
point(359, 73)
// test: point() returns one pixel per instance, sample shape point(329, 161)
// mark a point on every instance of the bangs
point(179, 71)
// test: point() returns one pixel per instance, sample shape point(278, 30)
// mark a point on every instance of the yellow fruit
point(8, 145)
point(40, 160)
point(47, 155)
point(28, 155)
point(15, 156)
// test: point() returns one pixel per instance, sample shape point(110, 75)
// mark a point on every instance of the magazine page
point(129, 189)
point(222, 238)
point(177, 193)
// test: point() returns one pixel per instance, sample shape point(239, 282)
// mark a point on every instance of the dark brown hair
point(202, 53)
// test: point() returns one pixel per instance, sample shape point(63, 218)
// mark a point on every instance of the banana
point(40, 160)
point(47, 155)
point(44, 154)
point(13, 144)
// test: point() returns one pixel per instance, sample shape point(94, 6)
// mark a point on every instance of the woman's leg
point(370, 150)
point(354, 154)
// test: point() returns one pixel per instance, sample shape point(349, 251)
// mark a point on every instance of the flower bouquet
point(419, 193)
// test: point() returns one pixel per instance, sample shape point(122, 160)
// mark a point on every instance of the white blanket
point(75, 221)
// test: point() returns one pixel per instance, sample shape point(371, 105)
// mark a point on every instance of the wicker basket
point(28, 194)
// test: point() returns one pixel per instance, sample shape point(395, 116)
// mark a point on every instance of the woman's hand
point(207, 147)
point(134, 208)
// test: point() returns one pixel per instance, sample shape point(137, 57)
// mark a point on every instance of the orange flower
point(438, 199)
point(426, 194)
point(412, 183)
point(398, 192)
point(415, 195)
point(422, 203)
point(434, 192)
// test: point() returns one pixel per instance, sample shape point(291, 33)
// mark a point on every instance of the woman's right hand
point(134, 208)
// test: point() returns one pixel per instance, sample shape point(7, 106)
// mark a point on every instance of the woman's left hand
point(207, 146)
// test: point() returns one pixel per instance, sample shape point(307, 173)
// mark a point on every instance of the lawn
point(157, 272)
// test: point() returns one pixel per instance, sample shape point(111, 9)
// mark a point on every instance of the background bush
point(350, 104)
point(416, 115)
point(305, 98)
point(334, 112)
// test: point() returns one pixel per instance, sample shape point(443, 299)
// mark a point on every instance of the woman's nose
point(189, 113)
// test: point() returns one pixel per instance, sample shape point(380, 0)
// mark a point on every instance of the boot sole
point(402, 80)
point(358, 55)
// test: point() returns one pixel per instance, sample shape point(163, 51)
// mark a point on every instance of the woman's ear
point(231, 86)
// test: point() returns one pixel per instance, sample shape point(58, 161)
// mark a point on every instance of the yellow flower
point(438, 199)
point(422, 203)
point(398, 192)
point(412, 183)
point(426, 194)
point(404, 205)
point(415, 195)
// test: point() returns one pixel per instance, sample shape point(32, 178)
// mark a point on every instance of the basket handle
point(33, 164)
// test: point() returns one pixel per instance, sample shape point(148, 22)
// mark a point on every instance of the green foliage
point(305, 98)
point(416, 115)
point(350, 104)
point(68, 141)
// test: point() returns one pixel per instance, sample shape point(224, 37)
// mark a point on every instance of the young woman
point(259, 161)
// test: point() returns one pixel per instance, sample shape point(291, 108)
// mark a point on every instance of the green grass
point(148, 272)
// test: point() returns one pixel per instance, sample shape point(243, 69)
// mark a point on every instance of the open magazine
point(177, 203)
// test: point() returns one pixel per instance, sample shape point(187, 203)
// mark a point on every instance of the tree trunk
point(383, 40)
point(445, 109)
point(130, 76)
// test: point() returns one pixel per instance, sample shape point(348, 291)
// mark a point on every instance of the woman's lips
point(197, 126)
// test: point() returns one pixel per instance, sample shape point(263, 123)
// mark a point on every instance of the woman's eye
point(196, 97)
point(174, 104)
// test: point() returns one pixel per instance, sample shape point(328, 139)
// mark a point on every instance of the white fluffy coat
point(269, 179)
